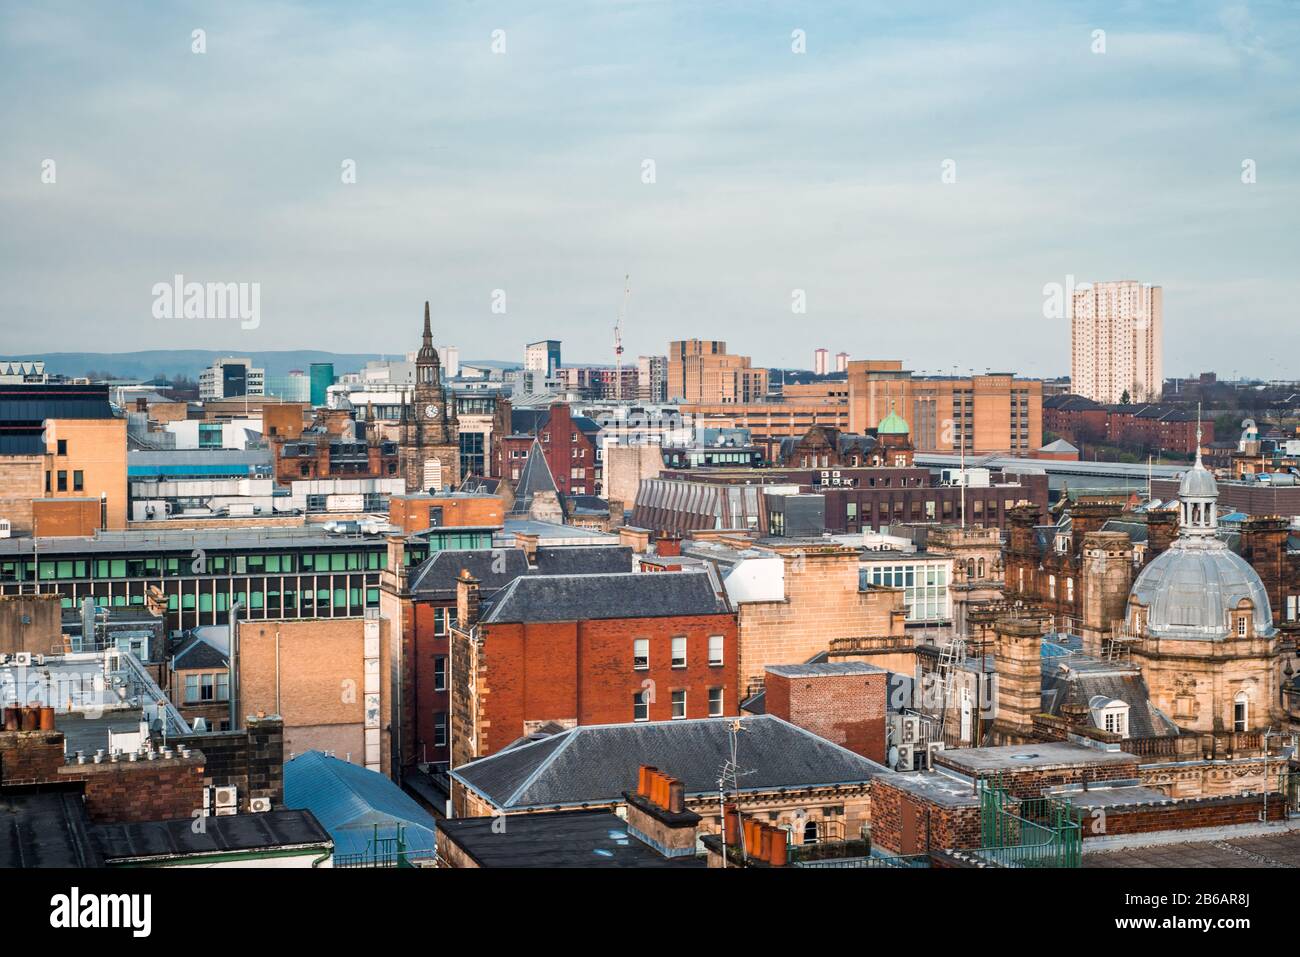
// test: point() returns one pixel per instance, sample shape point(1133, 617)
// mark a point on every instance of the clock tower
point(430, 434)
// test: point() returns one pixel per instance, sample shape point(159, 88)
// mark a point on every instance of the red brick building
point(573, 650)
point(431, 600)
point(841, 701)
point(1155, 427)
point(568, 442)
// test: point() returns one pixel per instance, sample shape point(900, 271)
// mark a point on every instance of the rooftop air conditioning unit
point(226, 797)
point(22, 659)
point(909, 729)
point(260, 805)
point(226, 811)
point(906, 757)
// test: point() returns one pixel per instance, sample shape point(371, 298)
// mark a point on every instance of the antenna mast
point(618, 341)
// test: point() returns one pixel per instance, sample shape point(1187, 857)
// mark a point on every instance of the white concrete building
point(1116, 334)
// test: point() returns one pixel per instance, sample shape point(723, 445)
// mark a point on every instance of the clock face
point(430, 411)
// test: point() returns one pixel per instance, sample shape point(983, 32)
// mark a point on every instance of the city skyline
point(507, 171)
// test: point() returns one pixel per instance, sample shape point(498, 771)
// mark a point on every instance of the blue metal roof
point(349, 801)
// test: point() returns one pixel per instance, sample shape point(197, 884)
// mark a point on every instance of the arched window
point(981, 568)
point(810, 832)
point(970, 568)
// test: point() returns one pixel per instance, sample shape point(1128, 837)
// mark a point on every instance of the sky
point(502, 156)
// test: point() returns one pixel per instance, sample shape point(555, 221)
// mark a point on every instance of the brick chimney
point(467, 600)
point(1089, 517)
point(669, 546)
point(638, 539)
point(1020, 540)
point(657, 814)
point(1162, 529)
point(1017, 656)
point(529, 544)
point(1263, 544)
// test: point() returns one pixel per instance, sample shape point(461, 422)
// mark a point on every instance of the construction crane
point(618, 341)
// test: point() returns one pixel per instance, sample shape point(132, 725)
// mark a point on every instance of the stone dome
point(1189, 589)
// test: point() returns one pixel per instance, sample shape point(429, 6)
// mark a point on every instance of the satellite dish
point(893, 755)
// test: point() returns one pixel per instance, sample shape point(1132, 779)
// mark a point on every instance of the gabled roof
point(533, 478)
point(350, 801)
point(539, 598)
point(595, 764)
point(199, 653)
point(1067, 402)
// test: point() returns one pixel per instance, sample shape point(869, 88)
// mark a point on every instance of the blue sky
point(774, 172)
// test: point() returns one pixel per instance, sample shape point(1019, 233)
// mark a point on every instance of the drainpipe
point(234, 663)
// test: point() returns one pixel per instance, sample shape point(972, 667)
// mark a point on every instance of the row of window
point(641, 704)
point(212, 688)
point(73, 569)
point(641, 652)
point(61, 479)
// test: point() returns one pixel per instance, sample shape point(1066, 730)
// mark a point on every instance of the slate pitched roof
point(583, 559)
point(199, 653)
point(533, 478)
point(538, 598)
point(595, 764)
point(1087, 677)
point(435, 578)
point(495, 568)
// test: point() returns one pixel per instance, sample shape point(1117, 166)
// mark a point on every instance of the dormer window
point(1110, 714)
point(1241, 626)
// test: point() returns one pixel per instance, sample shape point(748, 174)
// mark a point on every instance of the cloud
point(774, 171)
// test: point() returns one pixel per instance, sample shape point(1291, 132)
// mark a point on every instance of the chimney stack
point(657, 814)
point(467, 600)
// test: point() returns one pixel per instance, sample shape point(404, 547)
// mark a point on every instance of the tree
point(1124, 399)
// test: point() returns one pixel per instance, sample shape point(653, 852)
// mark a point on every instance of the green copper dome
point(893, 424)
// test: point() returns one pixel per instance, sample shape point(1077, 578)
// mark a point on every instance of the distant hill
point(189, 362)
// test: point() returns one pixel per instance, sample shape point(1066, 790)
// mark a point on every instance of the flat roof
point(559, 839)
point(976, 761)
point(45, 829)
point(824, 669)
point(933, 786)
point(229, 834)
point(243, 537)
point(1281, 849)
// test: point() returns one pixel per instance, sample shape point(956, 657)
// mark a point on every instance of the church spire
point(428, 355)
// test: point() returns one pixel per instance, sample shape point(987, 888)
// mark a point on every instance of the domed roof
point(1189, 589)
point(893, 424)
point(1198, 482)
